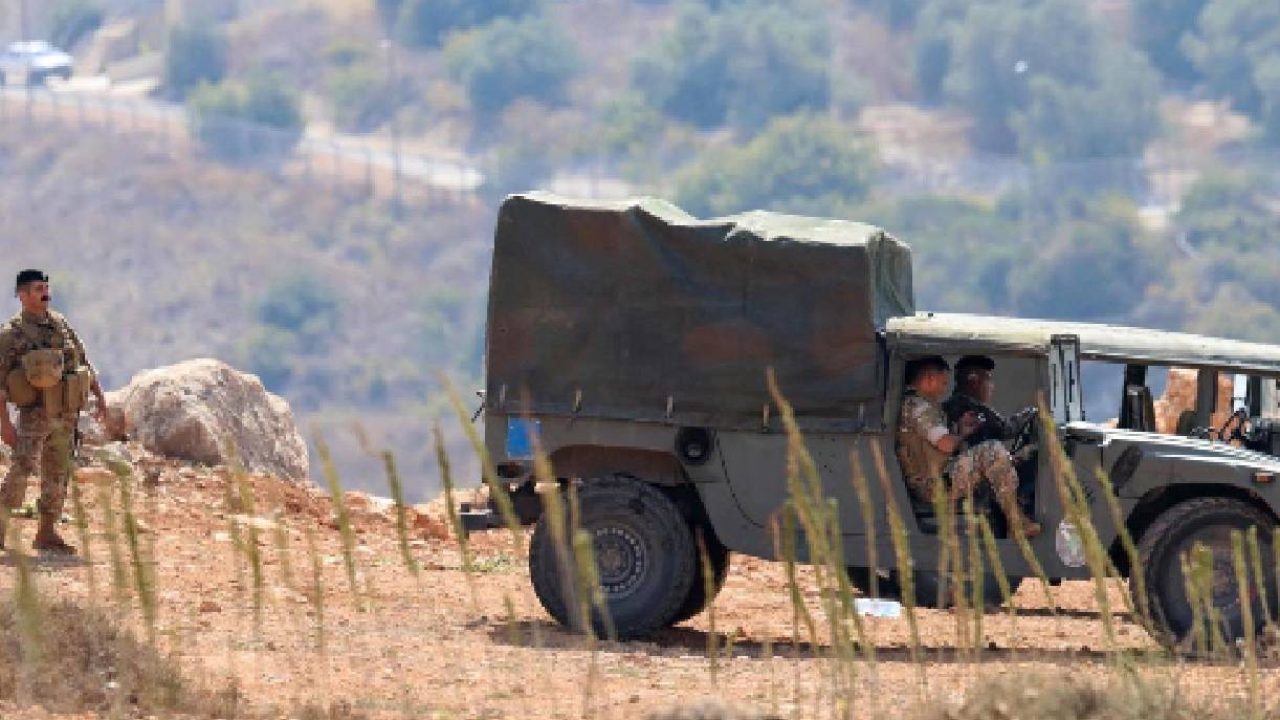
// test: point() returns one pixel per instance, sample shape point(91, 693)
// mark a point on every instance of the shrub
point(260, 120)
point(71, 20)
point(743, 64)
point(1232, 38)
point(362, 98)
point(428, 23)
point(801, 163)
point(195, 55)
point(299, 303)
point(510, 59)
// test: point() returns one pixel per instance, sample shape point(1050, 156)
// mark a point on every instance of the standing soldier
point(44, 372)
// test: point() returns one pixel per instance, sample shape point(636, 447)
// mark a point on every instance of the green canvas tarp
point(636, 310)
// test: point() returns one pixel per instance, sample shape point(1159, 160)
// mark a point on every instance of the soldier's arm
point(932, 426)
point(8, 360)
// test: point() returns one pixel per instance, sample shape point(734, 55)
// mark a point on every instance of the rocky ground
point(443, 643)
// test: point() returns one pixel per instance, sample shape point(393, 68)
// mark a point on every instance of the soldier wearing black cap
point(975, 386)
point(45, 373)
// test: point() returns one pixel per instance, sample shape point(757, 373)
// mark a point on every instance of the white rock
point(207, 412)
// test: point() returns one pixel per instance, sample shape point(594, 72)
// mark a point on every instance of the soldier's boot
point(47, 538)
point(1019, 523)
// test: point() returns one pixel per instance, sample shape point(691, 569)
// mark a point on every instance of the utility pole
point(836, 68)
point(393, 82)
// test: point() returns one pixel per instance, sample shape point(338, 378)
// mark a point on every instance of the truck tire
point(1208, 521)
point(698, 599)
point(644, 555)
point(930, 591)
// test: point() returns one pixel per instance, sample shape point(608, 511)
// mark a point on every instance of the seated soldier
point(936, 460)
point(975, 385)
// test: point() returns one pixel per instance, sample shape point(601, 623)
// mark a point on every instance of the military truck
point(631, 343)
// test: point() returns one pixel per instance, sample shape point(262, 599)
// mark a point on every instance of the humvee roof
point(953, 332)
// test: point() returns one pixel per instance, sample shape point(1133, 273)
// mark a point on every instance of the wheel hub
point(621, 559)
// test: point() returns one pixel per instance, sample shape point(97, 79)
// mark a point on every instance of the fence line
point(282, 152)
point(1155, 181)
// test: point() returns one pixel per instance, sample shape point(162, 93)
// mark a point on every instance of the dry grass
point(1032, 697)
point(86, 661)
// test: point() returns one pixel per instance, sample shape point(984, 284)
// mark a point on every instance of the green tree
point(302, 306)
point(938, 23)
point(71, 20)
point(897, 14)
point(259, 120)
point(1158, 28)
point(1266, 76)
point(961, 249)
point(1232, 38)
point(195, 54)
point(801, 163)
point(742, 64)
point(1116, 115)
point(509, 59)
point(1040, 77)
point(428, 23)
point(1230, 212)
point(362, 99)
point(1001, 46)
point(1090, 267)
point(389, 12)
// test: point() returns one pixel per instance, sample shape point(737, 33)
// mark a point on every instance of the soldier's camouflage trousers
point(989, 461)
point(43, 445)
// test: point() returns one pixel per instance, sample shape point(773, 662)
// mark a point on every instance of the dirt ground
point(447, 644)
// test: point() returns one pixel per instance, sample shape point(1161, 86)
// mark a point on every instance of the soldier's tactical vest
point(51, 371)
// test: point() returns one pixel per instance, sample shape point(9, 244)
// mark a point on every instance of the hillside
point(302, 641)
point(345, 311)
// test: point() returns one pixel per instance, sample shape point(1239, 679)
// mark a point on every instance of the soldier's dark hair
point(26, 277)
point(920, 366)
point(968, 364)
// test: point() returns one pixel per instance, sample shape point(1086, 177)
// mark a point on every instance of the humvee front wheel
point(644, 559)
point(1173, 537)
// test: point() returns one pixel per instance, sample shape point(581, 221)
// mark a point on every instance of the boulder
point(205, 411)
point(1180, 396)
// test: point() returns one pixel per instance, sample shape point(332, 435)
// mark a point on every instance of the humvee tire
point(644, 553)
point(929, 590)
point(1173, 533)
point(698, 599)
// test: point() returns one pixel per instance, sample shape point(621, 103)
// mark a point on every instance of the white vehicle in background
point(34, 62)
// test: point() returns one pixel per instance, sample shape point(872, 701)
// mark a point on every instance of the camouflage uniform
point(994, 426)
point(44, 441)
point(921, 423)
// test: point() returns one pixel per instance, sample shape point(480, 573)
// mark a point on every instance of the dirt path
point(447, 644)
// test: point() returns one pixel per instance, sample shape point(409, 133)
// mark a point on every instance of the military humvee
point(630, 342)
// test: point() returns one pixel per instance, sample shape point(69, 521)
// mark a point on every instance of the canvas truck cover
point(636, 310)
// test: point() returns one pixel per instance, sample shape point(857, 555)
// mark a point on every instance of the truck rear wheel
point(1173, 535)
point(644, 558)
